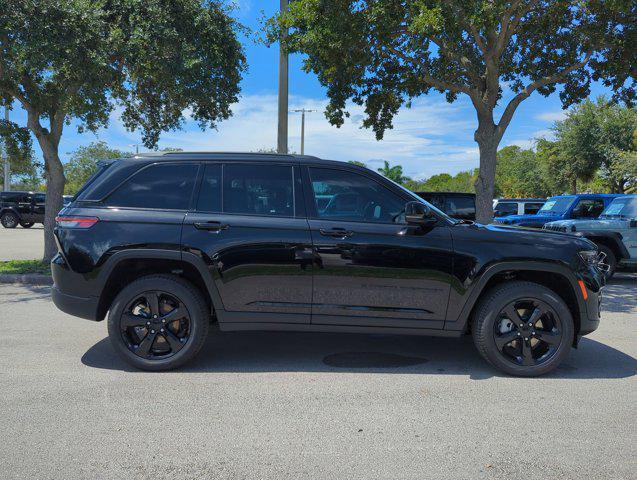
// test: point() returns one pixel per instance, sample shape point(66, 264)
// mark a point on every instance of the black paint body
point(296, 273)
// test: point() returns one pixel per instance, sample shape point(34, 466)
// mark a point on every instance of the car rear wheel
point(158, 322)
point(523, 328)
point(9, 220)
point(26, 224)
point(609, 260)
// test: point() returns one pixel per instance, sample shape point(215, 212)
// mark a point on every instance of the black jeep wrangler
point(167, 244)
point(21, 208)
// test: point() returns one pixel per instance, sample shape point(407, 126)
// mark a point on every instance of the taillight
point(76, 222)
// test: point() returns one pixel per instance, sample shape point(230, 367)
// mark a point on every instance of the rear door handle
point(336, 233)
point(211, 226)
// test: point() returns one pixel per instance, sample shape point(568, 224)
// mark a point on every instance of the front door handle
point(336, 233)
point(211, 226)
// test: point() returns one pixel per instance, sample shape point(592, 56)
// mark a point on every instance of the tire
point(611, 261)
point(169, 288)
point(9, 220)
point(489, 317)
point(26, 224)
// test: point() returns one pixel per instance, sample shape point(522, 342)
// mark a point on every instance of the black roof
point(243, 156)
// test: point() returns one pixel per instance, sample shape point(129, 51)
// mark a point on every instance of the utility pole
point(282, 132)
point(303, 111)
point(136, 145)
point(7, 173)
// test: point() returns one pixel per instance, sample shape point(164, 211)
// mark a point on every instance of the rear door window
point(532, 208)
point(159, 186)
point(503, 209)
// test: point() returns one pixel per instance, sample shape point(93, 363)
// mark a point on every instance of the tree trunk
point(55, 180)
point(487, 139)
point(574, 186)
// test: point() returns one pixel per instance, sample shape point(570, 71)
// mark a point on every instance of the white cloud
point(554, 116)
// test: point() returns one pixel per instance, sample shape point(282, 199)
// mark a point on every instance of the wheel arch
point(612, 240)
point(555, 277)
point(126, 266)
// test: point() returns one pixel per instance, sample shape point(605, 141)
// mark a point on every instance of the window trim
point(104, 200)
point(312, 213)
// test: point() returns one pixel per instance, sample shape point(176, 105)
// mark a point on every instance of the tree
point(79, 59)
point(356, 162)
point(518, 174)
point(599, 136)
point(24, 169)
point(394, 173)
point(443, 182)
point(383, 53)
point(83, 163)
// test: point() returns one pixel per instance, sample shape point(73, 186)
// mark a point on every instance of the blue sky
point(429, 138)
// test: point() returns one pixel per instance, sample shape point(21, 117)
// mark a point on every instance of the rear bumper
point(83, 307)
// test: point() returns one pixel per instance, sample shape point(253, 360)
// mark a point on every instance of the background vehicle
point(562, 207)
point(517, 206)
point(614, 233)
point(455, 204)
point(242, 239)
point(21, 208)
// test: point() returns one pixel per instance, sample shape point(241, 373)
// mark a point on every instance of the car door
point(250, 228)
point(370, 268)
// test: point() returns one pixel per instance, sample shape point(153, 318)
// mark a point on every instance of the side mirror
point(417, 213)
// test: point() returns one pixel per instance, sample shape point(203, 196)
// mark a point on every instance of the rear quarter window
point(159, 186)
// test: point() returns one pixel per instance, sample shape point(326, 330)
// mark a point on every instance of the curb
point(26, 279)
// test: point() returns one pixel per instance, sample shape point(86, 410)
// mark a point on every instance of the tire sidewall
point(198, 322)
point(495, 306)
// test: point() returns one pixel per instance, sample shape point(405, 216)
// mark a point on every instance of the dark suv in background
point(166, 245)
point(455, 204)
point(21, 208)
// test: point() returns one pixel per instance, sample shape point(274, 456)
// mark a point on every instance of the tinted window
point(341, 195)
point(13, 197)
point(532, 208)
point(464, 207)
point(506, 208)
point(258, 190)
point(210, 192)
point(40, 198)
point(163, 186)
point(588, 208)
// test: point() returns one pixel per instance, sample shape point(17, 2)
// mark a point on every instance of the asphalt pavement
point(22, 243)
point(318, 406)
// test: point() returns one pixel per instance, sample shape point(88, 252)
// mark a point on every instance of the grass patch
point(22, 267)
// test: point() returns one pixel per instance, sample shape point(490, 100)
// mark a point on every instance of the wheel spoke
point(174, 341)
point(130, 320)
point(502, 340)
point(176, 314)
point(527, 354)
point(552, 338)
point(535, 316)
point(143, 349)
point(153, 302)
point(513, 315)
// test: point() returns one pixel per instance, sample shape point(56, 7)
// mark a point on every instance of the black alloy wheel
point(155, 325)
point(523, 328)
point(26, 224)
point(158, 322)
point(9, 220)
point(527, 332)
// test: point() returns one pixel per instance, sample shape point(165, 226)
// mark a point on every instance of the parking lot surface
point(294, 406)
point(22, 243)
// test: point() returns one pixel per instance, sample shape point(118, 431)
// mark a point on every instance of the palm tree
point(394, 173)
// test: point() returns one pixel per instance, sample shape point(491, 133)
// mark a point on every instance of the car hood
point(595, 224)
point(533, 237)
point(519, 218)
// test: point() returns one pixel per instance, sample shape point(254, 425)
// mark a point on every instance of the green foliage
point(23, 166)
point(519, 174)
point(360, 164)
point(599, 137)
point(443, 182)
point(394, 173)
point(83, 163)
point(23, 267)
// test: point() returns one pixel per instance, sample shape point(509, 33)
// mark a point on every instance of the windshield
point(556, 205)
point(622, 208)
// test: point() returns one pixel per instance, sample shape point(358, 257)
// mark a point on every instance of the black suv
point(168, 244)
point(21, 208)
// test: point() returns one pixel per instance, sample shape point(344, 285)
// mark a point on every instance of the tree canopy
point(147, 60)
point(383, 53)
point(83, 163)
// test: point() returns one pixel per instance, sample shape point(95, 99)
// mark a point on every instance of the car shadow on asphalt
point(238, 352)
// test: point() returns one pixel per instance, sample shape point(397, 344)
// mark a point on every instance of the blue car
point(562, 207)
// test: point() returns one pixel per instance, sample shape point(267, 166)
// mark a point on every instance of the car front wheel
point(609, 260)
point(158, 322)
point(523, 328)
point(9, 220)
point(26, 224)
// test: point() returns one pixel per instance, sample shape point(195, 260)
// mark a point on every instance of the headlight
point(590, 257)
